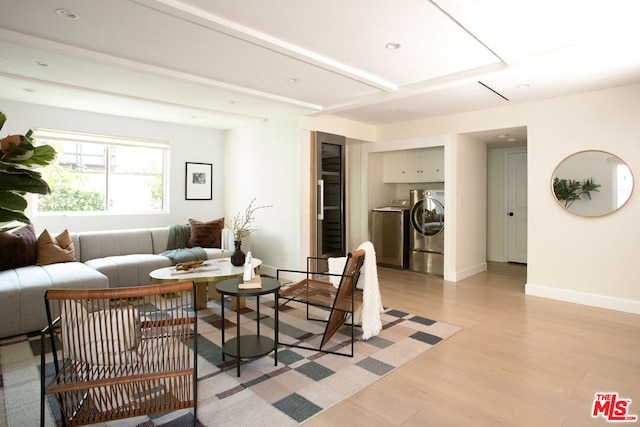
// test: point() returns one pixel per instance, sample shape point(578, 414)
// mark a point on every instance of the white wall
point(263, 161)
point(584, 260)
point(468, 209)
point(187, 144)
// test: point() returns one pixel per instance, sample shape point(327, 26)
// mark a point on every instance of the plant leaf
point(12, 201)
point(42, 155)
point(23, 182)
point(3, 119)
point(7, 216)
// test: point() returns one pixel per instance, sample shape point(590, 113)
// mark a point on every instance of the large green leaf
point(3, 119)
point(12, 201)
point(15, 168)
point(42, 156)
point(25, 182)
point(7, 216)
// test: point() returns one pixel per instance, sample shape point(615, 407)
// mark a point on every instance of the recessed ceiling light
point(523, 85)
point(511, 139)
point(502, 136)
point(67, 14)
point(41, 63)
point(292, 80)
point(393, 45)
point(393, 110)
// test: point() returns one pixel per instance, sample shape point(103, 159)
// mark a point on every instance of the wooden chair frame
point(123, 352)
point(316, 290)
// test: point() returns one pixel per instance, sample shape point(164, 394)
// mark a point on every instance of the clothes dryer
point(390, 234)
point(426, 236)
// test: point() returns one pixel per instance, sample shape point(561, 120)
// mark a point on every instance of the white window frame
point(87, 138)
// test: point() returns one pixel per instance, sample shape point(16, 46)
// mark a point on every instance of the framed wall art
point(199, 181)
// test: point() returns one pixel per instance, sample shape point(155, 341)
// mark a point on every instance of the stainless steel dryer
point(426, 241)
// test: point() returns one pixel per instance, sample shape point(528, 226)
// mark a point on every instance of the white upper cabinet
point(412, 166)
point(395, 166)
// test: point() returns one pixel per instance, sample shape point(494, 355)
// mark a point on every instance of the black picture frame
point(198, 181)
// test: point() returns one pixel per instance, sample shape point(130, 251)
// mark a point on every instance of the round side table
point(252, 345)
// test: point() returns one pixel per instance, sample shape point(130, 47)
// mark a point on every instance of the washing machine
point(426, 235)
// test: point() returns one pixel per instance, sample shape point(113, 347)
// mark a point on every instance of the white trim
point(456, 276)
point(584, 298)
point(50, 134)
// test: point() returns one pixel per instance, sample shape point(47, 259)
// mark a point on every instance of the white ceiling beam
point(420, 88)
point(92, 55)
point(192, 14)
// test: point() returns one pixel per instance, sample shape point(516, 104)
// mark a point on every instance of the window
point(95, 173)
point(624, 184)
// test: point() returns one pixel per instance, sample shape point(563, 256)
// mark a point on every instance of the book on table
point(254, 283)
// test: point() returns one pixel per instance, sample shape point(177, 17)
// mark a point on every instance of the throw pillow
point(205, 234)
point(55, 249)
point(18, 248)
point(108, 337)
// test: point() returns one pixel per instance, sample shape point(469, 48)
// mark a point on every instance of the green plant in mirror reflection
point(568, 191)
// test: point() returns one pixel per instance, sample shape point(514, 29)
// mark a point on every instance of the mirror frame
point(554, 175)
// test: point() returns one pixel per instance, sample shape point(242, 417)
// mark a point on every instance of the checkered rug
point(300, 386)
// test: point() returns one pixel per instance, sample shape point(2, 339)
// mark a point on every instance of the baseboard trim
point(584, 298)
point(456, 276)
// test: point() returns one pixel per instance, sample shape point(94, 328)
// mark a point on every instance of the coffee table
point(215, 271)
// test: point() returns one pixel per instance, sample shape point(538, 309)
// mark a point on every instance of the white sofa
point(105, 259)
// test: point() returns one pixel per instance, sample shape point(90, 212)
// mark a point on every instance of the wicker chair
point(316, 290)
point(124, 352)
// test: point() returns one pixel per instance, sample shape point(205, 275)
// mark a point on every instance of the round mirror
point(592, 183)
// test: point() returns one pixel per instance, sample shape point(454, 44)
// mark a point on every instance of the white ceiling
point(221, 63)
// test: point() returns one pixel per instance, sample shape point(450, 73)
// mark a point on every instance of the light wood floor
point(518, 361)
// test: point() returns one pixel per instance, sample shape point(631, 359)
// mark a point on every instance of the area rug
point(302, 384)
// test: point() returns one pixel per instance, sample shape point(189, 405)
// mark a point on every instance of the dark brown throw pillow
point(18, 248)
point(205, 234)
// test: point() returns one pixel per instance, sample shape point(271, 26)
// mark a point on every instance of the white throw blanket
point(369, 313)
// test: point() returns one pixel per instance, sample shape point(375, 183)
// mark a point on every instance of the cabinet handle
point(321, 192)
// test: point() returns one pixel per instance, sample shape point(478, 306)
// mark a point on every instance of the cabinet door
point(432, 164)
point(330, 223)
point(394, 167)
point(415, 166)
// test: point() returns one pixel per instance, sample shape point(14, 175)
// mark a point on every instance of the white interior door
point(517, 207)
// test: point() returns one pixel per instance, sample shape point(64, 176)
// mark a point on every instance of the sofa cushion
point(129, 270)
point(159, 238)
point(18, 247)
point(100, 244)
point(54, 249)
point(206, 234)
point(22, 306)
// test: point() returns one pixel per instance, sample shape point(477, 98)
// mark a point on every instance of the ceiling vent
point(494, 91)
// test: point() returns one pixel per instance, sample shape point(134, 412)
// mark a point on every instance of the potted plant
point(18, 158)
point(242, 228)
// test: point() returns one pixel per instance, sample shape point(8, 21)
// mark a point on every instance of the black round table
point(253, 345)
